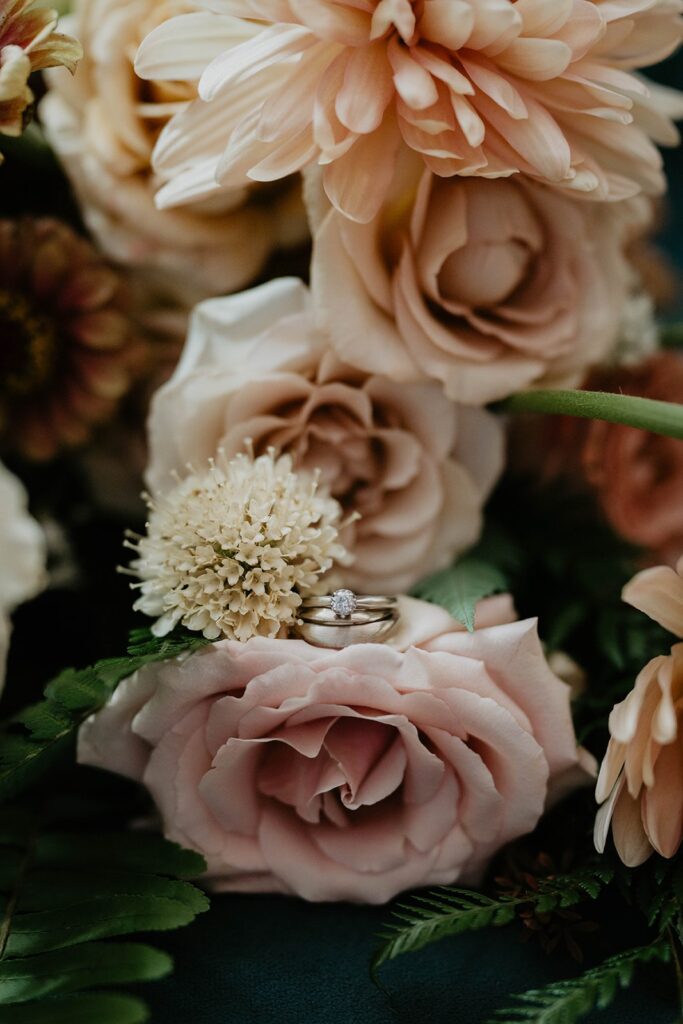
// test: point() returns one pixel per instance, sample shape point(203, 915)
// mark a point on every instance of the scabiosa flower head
point(230, 551)
point(28, 42)
point(67, 341)
point(475, 87)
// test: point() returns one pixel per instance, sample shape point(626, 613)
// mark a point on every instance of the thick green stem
point(645, 413)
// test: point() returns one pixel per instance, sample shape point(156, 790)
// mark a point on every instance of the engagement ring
point(343, 618)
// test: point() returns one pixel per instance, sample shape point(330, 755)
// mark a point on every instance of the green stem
point(644, 413)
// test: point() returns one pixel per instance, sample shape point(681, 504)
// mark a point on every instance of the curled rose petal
point(347, 775)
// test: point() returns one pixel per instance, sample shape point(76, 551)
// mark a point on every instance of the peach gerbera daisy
point(485, 87)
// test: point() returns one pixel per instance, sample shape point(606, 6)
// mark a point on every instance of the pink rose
point(348, 775)
point(416, 467)
point(486, 286)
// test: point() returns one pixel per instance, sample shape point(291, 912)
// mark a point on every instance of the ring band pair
point(341, 619)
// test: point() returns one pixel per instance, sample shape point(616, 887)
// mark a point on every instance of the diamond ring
point(343, 618)
point(344, 603)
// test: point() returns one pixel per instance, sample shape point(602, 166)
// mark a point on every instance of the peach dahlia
point(476, 87)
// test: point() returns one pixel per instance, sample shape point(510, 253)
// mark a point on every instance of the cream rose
point(22, 556)
point(416, 467)
point(104, 123)
point(486, 286)
point(354, 774)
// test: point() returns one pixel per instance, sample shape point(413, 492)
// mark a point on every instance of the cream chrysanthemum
point(231, 551)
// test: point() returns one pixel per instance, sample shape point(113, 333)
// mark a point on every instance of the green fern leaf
point(451, 911)
point(62, 894)
point(566, 1002)
point(68, 970)
point(83, 1008)
point(99, 917)
point(459, 588)
point(37, 738)
point(139, 851)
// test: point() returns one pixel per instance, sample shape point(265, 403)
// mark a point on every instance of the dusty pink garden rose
point(475, 87)
point(639, 785)
point(103, 124)
point(348, 775)
point(486, 286)
point(416, 467)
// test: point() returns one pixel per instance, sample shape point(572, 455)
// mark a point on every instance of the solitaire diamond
point(343, 603)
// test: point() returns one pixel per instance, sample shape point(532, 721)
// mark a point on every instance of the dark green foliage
point(566, 1002)
point(39, 736)
point(65, 895)
point(452, 911)
point(82, 1008)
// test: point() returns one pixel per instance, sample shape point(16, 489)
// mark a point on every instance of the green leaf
point(37, 738)
point(63, 893)
point(644, 413)
point(142, 851)
point(451, 911)
point(48, 888)
point(68, 970)
point(566, 1002)
point(45, 721)
point(99, 917)
point(84, 1008)
point(459, 588)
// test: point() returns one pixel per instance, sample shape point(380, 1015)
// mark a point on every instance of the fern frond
point(35, 739)
point(64, 897)
point(566, 1002)
point(451, 911)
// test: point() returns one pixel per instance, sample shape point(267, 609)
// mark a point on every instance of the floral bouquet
point(342, 441)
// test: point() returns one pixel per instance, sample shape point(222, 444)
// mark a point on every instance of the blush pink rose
point(415, 467)
point(354, 774)
point(486, 286)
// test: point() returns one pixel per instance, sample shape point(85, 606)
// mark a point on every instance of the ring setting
point(344, 618)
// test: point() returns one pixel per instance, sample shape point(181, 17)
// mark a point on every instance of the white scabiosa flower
point(230, 552)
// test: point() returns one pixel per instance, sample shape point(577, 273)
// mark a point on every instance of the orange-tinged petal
point(658, 592)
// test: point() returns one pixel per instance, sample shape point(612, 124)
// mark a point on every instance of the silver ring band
point(335, 635)
point(366, 602)
point(343, 603)
point(341, 619)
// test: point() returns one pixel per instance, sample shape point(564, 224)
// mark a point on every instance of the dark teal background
point(271, 960)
